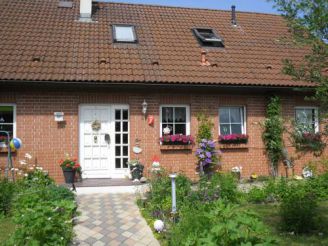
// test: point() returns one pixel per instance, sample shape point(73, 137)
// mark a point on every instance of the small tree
point(307, 20)
point(272, 135)
point(205, 126)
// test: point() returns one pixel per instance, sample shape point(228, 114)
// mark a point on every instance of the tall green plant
point(272, 135)
point(205, 126)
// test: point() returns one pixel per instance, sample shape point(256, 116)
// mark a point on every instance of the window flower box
point(176, 142)
point(233, 139)
point(5, 150)
point(308, 141)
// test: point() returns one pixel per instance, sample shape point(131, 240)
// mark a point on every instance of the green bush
point(159, 198)
point(271, 191)
point(37, 178)
point(43, 216)
point(218, 185)
point(319, 186)
point(256, 195)
point(298, 209)
point(218, 223)
point(7, 190)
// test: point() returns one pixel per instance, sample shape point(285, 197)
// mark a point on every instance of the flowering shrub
point(233, 139)
point(308, 141)
point(70, 164)
point(3, 139)
point(177, 139)
point(207, 155)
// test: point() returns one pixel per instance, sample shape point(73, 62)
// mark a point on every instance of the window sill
point(5, 150)
point(176, 147)
point(234, 146)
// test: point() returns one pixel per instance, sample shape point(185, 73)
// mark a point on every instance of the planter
point(176, 147)
point(136, 171)
point(69, 176)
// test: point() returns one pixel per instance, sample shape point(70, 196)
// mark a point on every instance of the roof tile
point(71, 50)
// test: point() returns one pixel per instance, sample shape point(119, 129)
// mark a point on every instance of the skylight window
point(208, 37)
point(124, 34)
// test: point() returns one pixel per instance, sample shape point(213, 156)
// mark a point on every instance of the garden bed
point(264, 208)
point(36, 211)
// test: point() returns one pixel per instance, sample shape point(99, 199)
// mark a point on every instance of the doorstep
point(109, 186)
point(105, 182)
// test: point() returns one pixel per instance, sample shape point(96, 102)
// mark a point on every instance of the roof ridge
point(181, 7)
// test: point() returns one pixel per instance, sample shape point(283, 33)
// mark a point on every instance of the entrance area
point(104, 140)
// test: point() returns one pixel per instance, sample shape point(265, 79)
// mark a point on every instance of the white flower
point(39, 168)
point(22, 162)
point(49, 218)
point(25, 174)
point(28, 156)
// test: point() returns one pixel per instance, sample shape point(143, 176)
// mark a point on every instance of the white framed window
point(307, 118)
point(124, 33)
point(8, 119)
point(176, 118)
point(232, 120)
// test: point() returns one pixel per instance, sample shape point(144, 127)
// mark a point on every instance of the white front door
point(104, 140)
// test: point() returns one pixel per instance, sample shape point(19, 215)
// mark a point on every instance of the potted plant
point(136, 169)
point(70, 167)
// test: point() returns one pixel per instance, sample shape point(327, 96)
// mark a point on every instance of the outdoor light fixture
point(144, 107)
point(174, 200)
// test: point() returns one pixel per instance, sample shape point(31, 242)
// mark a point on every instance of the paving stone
point(111, 219)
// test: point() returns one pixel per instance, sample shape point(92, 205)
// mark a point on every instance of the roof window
point(124, 34)
point(208, 37)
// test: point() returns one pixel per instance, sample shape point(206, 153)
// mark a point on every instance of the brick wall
point(49, 141)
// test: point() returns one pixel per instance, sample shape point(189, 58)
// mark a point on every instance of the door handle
point(107, 138)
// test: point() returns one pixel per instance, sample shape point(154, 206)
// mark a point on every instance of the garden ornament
point(15, 143)
point(307, 172)
point(159, 226)
point(96, 125)
point(174, 200)
point(167, 130)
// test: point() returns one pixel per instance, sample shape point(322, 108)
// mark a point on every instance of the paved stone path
point(111, 219)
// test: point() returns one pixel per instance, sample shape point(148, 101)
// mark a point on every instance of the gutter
point(172, 84)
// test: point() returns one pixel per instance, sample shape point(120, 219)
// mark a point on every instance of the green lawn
point(6, 228)
point(269, 215)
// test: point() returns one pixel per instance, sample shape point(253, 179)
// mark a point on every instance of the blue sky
point(261, 6)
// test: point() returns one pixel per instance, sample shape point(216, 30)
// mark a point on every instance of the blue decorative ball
point(16, 143)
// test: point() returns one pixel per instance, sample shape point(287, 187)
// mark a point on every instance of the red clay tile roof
point(41, 42)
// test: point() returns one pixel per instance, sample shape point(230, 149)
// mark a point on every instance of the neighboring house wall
point(49, 141)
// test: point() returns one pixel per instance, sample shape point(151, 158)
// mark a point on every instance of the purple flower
point(208, 154)
point(201, 156)
point(208, 160)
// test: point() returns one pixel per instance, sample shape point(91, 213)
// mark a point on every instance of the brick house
point(99, 62)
